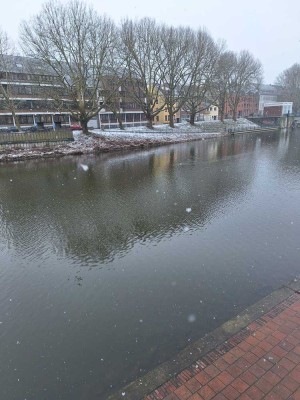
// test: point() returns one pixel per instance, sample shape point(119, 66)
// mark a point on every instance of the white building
point(267, 94)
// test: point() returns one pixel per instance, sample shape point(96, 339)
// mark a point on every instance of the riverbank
point(117, 140)
point(253, 356)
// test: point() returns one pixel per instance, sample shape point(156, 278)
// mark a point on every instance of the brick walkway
point(260, 362)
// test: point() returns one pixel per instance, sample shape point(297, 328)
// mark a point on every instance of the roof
point(269, 89)
point(24, 65)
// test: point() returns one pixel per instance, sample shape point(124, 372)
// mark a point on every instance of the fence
point(29, 138)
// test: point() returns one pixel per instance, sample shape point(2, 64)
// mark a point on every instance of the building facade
point(277, 109)
point(247, 106)
point(163, 117)
point(210, 113)
point(205, 113)
point(25, 100)
point(30, 95)
point(267, 94)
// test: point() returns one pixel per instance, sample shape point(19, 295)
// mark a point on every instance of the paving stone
point(193, 385)
point(183, 393)
point(230, 393)
point(260, 362)
point(206, 392)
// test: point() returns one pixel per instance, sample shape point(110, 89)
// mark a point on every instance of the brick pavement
point(260, 362)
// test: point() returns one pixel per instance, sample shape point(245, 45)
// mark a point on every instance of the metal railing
point(47, 137)
point(246, 128)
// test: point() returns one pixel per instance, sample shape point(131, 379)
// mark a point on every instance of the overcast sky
point(269, 29)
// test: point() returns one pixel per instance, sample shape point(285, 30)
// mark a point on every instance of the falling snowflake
point(84, 167)
point(191, 318)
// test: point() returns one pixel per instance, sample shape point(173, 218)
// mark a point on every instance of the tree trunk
point(16, 119)
point(171, 123)
point(149, 122)
point(234, 114)
point(192, 118)
point(222, 115)
point(119, 119)
point(83, 123)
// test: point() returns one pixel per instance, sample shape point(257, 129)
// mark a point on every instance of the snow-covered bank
point(115, 140)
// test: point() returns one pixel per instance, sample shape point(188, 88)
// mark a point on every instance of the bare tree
point(112, 92)
point(6, 82)
point(245, 78)
point(74, 42)
point(140, 50)
point(224, 70)
point(289, 83)
point(201, 93)
point(176, 66)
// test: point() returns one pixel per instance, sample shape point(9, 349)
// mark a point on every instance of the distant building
point(277, 109)
point(206, 113)
point(267, 94)
point(247, 106)
point(163, 117)
point(210, 113)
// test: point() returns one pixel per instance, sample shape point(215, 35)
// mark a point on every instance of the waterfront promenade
point(260, 361)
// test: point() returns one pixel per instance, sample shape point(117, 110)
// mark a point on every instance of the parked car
point(76, 127)
point(30, 129)
point(13, 129)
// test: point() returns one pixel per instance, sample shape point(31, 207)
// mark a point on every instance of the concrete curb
point(140, 388)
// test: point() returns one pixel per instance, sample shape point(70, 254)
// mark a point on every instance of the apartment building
point(163, 117)
point(119, 103)
point(30, 95)
point(247, 106)
point(26, 100)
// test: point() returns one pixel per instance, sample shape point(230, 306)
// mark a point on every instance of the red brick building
point(248, 106)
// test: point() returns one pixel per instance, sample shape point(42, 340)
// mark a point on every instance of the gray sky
point(269, 29)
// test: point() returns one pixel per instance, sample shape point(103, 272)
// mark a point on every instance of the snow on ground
point(181, 130)
point(100, 141)
point(158, 132)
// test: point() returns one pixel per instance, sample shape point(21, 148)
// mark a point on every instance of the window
point(166, 117)
point(26, 119)
point(28, 89)
point(157, 118)
point(6, 120)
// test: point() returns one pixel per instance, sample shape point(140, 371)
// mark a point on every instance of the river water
point(111, 264)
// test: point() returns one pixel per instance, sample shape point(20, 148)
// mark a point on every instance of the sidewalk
point(260, 362)
point(254, 356)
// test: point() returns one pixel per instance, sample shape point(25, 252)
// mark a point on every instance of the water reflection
point(108, 270)
point(94, 215)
